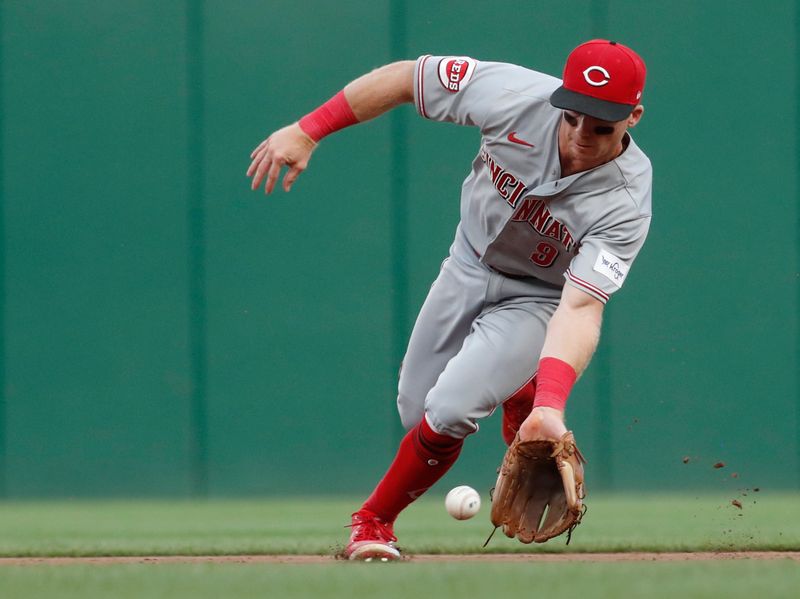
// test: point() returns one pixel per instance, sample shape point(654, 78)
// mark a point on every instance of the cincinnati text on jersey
point(510, 187)
point(534, 210)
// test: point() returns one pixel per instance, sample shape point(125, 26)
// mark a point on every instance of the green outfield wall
point(166, 331)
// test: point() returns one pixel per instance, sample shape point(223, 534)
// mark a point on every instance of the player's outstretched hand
point(543, 424)
point(289, 147)
point(540, 490)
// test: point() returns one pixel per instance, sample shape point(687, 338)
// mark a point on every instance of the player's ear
point(636, 115)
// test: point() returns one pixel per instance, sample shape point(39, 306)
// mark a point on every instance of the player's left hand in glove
point(539, 492)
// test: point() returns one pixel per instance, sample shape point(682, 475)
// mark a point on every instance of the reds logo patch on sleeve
point(456, 71)
point(611, 267)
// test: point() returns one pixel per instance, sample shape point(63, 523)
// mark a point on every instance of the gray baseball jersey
point(525, 231)
point(517, 211)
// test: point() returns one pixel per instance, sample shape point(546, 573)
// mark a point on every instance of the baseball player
point(553, 213)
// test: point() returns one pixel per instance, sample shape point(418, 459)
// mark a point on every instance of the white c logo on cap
point(600, 70)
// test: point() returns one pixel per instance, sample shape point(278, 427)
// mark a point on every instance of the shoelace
point(371, 529)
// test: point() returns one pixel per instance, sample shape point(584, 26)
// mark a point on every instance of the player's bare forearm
point(368, 97)
point(381, 90)
point(574, 329)
point(572, 336)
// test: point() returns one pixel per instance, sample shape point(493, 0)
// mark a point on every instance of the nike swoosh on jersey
point(512, 137)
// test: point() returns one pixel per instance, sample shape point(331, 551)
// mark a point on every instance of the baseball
point(462, 502)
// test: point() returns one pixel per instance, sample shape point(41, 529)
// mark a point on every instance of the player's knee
point(410, 411)
point(450, 418)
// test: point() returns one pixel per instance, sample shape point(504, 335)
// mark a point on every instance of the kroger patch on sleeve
point(611, 267)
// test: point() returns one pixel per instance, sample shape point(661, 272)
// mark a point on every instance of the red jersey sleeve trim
point(421, 86)
point(586, 286)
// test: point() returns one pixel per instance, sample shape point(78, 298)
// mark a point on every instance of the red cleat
point(371, 539)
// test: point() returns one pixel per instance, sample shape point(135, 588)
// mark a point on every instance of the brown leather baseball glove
point(539, 492)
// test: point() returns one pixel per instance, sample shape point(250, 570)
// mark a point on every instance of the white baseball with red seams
point(462, 502)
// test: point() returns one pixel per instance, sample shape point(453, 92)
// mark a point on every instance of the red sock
point(516, 409)
point(423, 458)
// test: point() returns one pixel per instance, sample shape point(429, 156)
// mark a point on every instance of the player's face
point(589, 141)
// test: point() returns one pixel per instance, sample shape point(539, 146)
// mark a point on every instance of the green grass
point(767, 521)
point(731, 580)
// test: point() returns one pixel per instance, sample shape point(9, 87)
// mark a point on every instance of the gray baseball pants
point(476, 341)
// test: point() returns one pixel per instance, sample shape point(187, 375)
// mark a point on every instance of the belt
point(507, 275)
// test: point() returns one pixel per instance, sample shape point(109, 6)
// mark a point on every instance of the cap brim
point(599, 109)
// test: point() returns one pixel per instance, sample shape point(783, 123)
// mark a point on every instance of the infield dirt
point(420, 558)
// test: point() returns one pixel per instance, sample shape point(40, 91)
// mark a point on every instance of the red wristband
point(333, 115)
point(554, 381)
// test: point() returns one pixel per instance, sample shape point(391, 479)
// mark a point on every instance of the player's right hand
point(289, 147)
point(543, 424)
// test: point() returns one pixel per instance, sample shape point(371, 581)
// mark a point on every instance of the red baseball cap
point(603, 79)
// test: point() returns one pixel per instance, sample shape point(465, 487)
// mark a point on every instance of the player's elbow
point(397, 77)
point(401, 74)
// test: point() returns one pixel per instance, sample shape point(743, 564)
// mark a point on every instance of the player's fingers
point(259, 156)
point(261, 169)
point(259, 147)
point(291, 176)
point(254, 165)
point(272, 175)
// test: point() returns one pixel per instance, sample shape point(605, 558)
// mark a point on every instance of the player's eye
point(572, 121)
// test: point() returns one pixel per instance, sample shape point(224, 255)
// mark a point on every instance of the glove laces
point(566, 445)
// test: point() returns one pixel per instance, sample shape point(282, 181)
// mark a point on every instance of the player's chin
point(584, 152)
